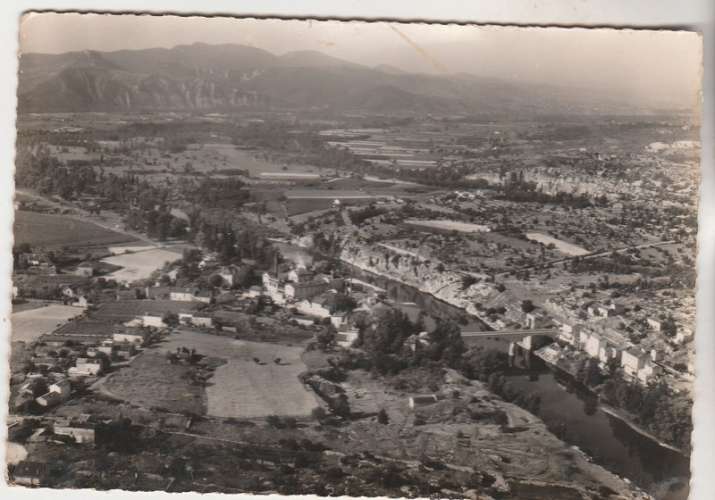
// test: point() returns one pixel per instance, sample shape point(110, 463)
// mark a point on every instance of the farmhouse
point(131, 335)
point(86, 367)
point(56, 394)
point(149, 319)
point(192, 318)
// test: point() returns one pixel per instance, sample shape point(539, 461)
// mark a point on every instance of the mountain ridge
point(231, 76)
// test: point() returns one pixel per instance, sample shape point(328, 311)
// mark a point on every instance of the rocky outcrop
point(425, 275)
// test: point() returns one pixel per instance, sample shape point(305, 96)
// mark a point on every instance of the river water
point(572, 415)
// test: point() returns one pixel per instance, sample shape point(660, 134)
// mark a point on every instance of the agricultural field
point(244, 388)
point(210, 156)
point(300, 201)
point(30, 324)
point(140, 265)
point(48, 230)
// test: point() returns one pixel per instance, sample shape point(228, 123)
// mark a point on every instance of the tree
point(446, 343)
point(468, 280)
point(344, 303)
point(170, 319)
point(527, 306)
point(216, 281)
point(480, 363)
point(326, 338)
point(382, 417)
point(341, 406)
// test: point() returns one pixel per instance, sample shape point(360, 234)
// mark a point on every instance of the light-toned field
point(28, 325)
point(242, 388)
point(561, 246)
point(140, 265)
point(450, 225)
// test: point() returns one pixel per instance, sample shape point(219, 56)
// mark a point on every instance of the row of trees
point(655, 407)
point(517, 189)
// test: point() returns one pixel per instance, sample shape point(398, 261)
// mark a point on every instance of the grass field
point(28, 325)
point(140, 265)
point(57, 230)
point(227, 155)
point(152, 382)
point(242, 388)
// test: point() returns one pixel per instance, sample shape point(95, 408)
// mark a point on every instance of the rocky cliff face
point(426, 276)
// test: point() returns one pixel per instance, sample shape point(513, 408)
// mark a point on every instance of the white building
point(270, 283)
point(132, 336)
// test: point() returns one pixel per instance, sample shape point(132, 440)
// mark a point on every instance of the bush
point(275, 421)
point(318, 413)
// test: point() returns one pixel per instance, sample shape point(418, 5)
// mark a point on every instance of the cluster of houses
point(35, 263)
point(79, 350)
point(315, 295)
point(600, 335)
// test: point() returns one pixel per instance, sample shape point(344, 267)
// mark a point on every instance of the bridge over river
point(512, 334)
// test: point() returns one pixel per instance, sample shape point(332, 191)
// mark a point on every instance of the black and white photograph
point(350, 258)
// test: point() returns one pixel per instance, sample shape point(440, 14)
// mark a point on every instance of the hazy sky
point(655, 66)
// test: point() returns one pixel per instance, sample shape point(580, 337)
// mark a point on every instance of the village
point(466, 307)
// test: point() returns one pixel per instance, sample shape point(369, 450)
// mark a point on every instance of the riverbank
point(457, 304)
point(616, 413)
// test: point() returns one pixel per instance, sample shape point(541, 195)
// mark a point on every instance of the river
point(573, 416)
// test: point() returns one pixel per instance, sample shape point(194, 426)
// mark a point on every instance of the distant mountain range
point(225, 77)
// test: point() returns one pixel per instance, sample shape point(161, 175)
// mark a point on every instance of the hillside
point(209, 77)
